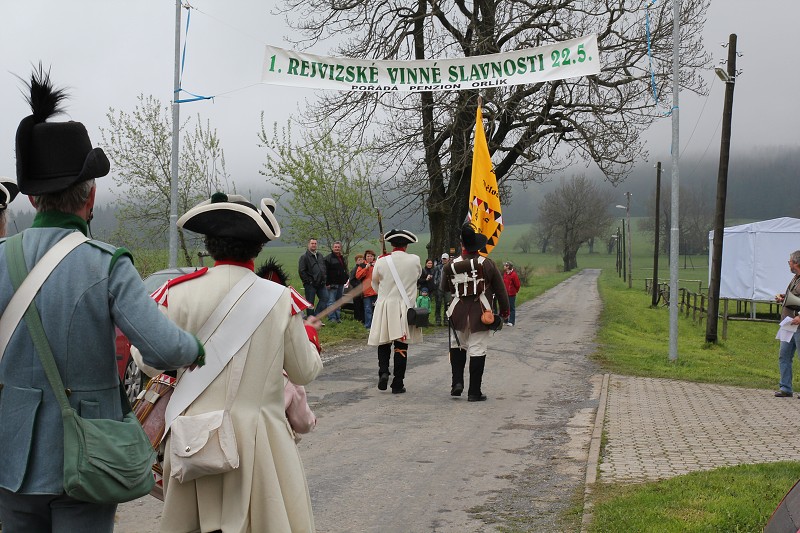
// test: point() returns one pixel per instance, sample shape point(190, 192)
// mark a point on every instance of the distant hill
point(760, 186)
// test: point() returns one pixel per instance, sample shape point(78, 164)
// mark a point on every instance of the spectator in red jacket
point(511, 281)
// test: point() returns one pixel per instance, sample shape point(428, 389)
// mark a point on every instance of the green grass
point(731, 499)
point(634, 340)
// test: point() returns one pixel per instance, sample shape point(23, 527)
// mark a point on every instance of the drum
point(150, 408)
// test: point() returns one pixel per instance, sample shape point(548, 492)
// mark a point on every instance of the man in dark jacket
point(312, 273)
point(473, 280)
point(441, 298)
point(337, 275)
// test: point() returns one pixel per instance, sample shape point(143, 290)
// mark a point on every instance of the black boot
point(458, 359)
point(400, 361)
point(476, 365)
point(384, 354)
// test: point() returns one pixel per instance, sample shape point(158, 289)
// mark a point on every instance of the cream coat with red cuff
point(268, 492)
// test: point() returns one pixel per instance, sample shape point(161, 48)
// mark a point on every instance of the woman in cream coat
point(389, 320)
point(268, 491)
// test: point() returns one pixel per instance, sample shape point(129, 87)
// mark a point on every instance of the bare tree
point(577, 211)
point(526, 241)
point(696, 219)
point(422, 142)
point(139, 144)
point(325, 186)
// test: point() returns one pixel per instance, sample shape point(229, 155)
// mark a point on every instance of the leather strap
point(400, 286)
point(30, 283)
point(235, 323)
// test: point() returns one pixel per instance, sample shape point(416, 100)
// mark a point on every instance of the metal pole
point(173, 185)
point(674, 231)
point(624, 248)
point(654, 301)
point(619, 253)
point(630, 248)
point(722, 193)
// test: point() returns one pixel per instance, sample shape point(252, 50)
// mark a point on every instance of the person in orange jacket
point(364, 274)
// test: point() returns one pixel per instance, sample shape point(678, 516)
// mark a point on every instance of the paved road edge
point(594, 453)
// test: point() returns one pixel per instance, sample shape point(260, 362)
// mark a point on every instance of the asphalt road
point(425, 461)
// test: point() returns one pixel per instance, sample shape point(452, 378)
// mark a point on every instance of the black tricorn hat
point(51, 156)
point(232, 216)
point(400, 237)
point(8, 190)
point(471, 240)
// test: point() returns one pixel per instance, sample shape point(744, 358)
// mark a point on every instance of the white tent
point(754, 258)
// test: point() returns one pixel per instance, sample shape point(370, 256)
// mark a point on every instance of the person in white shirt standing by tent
point(788, 348)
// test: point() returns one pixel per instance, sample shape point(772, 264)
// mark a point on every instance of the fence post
point(703, 310)
point(725, 319)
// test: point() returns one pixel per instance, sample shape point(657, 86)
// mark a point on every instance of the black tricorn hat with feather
point(51, 156)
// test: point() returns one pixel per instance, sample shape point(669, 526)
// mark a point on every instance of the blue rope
point(183, 65)
point(650, 53)
point(186, 42)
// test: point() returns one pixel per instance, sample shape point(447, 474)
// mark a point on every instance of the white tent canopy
point(754, 258)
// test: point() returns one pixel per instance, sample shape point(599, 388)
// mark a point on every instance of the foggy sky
point(108, 52)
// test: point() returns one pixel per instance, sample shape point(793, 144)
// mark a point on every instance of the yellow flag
point(484, 198)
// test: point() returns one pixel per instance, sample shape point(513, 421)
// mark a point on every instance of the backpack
point(469, 281)
point(468, 277)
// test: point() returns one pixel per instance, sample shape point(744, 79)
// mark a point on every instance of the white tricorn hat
point(399, 237)
point(232, 216)
point(8, 191)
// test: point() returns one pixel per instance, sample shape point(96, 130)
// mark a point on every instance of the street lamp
point(627, 208)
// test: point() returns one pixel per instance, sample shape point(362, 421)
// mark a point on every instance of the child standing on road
point(423, 300)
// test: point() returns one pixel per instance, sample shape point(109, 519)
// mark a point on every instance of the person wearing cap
point(8, 191)
point(390, 328)
point(92, 290)
point(511, 281)
point(441, 298)
point(474, 281)
point(268, 490)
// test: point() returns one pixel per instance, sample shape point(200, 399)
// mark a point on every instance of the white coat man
point(389, 320)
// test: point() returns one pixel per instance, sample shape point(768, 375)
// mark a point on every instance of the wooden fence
point(695, 304)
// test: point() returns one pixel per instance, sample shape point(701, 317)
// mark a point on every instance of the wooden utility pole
point(624, 247)
point(729, 78)
point(630, 236)
point(654, 301)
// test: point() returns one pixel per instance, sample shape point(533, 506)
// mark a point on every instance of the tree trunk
point(186, 255)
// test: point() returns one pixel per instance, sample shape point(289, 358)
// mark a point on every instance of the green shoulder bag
point(105, 461)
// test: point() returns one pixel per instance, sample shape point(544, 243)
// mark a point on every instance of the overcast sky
point(108, 52)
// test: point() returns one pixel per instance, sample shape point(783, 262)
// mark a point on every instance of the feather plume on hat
point(44, 100)
point(52, 156)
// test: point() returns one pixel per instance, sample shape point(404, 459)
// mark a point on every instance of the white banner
point(567, 59)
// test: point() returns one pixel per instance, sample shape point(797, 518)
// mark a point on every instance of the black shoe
point(400, 390)
point(457, 389)
point(477, 398)
point(783, 394)
point(383, 381)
